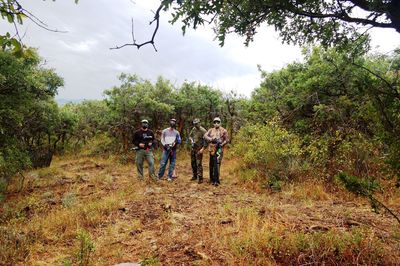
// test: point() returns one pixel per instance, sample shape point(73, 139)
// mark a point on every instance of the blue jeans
point(167, 155)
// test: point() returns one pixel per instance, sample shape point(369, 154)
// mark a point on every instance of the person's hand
point(200, 151)
point(141, 145)
point(166, 147)
point(216, 141)
point(149, 144)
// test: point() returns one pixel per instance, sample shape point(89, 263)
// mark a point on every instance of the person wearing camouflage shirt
point(196, 136)
point(217, 137)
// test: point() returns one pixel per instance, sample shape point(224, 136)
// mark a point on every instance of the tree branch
point(390, 86)
point(344, 16)
point(151, 41)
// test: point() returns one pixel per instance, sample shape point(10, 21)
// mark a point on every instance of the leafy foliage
point(86, 247)
point(328, 22)
point(14, 13)
point(344, 105)
point(30, 121)
point(269, 149)
point(136, 99)
point(365, 187)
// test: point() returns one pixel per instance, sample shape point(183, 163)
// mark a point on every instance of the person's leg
point(194, 164)
point(199, 164)
point(150, 161)
point(211, 166)
point(172, 164)
point(163, 163)
point(218, 168)
point(139, 163)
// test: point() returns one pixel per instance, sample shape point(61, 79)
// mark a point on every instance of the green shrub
point(86, 247)
point(270, 150)
point(68, 200)
point(342, 151)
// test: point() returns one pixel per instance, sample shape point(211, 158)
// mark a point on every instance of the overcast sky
point(83, 58)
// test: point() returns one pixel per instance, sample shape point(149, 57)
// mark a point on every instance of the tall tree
point(29, 118)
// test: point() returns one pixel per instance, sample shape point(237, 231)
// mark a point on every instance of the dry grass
point(98, 201)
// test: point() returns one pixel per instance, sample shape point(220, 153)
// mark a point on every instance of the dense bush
point(342, 104)
point(270, 150)
point(31, 124)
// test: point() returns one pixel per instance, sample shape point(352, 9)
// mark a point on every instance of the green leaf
point(10, 18)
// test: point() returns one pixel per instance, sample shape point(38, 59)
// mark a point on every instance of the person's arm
point(203, 140)
point(153, 139)
point(163, 138)
point(178, 138)
point(225, 138)
point(207, 136)
point(136, 138)
point(191, 134)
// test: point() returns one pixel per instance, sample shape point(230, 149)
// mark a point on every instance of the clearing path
point(184, 223)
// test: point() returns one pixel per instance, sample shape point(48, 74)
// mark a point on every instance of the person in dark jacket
point(144, 141)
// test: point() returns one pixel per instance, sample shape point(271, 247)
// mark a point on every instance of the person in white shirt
point(170, 138)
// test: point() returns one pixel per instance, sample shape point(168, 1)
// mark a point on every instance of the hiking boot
point(169, 179)
point(200, 181)
point(193, 178)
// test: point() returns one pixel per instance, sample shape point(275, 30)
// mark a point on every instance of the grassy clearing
point(94, 211)
point(258, 241)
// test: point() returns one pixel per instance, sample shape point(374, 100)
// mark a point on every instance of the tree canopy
point(297, 21)
point(307, 21)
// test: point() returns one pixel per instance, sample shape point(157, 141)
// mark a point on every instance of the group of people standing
point(214, 139)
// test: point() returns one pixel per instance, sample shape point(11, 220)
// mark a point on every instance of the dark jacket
point(142, 136)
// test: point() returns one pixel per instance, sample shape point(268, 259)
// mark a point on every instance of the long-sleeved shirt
point(170, 136)
point(197, 136)
point(143, 136)
point(217, 133)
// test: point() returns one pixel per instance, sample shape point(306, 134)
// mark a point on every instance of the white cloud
point(79, 47)
point(83, 58)
point(243, 85)
point(122, 67)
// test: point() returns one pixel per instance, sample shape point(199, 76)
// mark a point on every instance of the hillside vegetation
point(311, 176)
point(93, 210)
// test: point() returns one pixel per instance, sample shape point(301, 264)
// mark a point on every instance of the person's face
point(145, 125)
point(197, 125)
point(172, 123)
point(217, 124)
